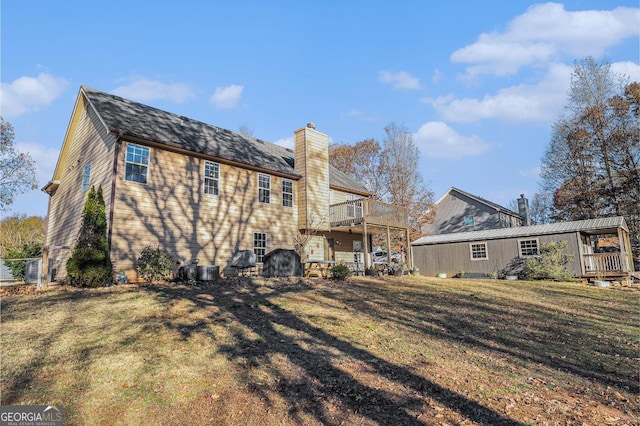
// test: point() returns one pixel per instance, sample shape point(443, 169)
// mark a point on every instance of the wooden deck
point(356, 212)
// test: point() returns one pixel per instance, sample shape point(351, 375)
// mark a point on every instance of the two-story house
point(202, 192)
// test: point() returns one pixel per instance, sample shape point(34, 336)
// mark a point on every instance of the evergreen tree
point(90, 265)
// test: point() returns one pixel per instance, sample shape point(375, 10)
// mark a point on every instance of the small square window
point(469, 221)
point(528, 247)
point(479, 251)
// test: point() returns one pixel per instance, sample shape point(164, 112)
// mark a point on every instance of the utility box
point(208, 273)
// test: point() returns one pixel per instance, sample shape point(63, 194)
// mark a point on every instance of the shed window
point(137, 163)
point(287, 193)
point(478, 251)
point(264, 188)
point(259, 245)
point(528, 247)
point(86, 177)
point(469, 221)
point(211, 177)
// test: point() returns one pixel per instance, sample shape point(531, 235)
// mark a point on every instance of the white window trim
point(148, 165)
point(266, 242)
point(291, 193)
point(205, 177)
point(86, 184)
point(486, 251)
point(537, 240)
point(260, 188)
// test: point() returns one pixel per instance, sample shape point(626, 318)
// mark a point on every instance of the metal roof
point(143, 122)
point(587, 226)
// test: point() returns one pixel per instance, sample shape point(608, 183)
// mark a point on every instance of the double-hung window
point(528, 248)
point(287, 193)
point(136, 163)
point(478, 251)
point(211, 178)
point(259, 245)
point(86, 177)
point(264, 188)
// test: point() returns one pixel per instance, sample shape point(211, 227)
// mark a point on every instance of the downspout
point(114, 178)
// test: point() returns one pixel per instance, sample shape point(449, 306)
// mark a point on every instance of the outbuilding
point(598, 248)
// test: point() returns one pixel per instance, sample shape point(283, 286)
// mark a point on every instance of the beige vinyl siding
point(88, 142)
point(312, 162)
point(173, 211)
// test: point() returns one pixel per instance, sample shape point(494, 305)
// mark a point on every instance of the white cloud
point(545, 32)
point(227, 97)
point(522, 103)
point(45, 158)
point(628, 68)
point(28, 94)
point(400, 80)
point(437, 140)
point(286, 142)
point(144, 90)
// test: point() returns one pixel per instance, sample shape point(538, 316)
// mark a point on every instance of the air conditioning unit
point(208, 273)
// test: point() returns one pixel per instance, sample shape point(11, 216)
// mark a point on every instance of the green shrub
point(18, 268)
point(550, 264)
point(154, 264)
point(340, 272)
point(89, 264)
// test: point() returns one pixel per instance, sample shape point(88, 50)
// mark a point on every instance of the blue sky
point(477, 83)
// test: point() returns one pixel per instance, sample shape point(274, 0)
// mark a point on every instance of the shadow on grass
point(576, 338)
point(315, 356)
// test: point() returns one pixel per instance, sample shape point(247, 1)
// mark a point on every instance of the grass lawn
point(393, 351)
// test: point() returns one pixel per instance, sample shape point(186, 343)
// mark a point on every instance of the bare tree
point(407, 188)
point(17, 169)
point(246, 130)
point(591, 167)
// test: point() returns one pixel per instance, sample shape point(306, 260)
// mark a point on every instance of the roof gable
point(480, 200)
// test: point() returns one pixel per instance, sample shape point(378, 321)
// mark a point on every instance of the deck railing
point(604, 263)
point(375, 212)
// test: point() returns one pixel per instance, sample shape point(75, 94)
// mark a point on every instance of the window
point(136, 163)
point(264, 188)
point(86, 177)
point(211, 177)
point(528, 247)
point(259, 245)
point(469, 221)
point(287, 193)
point(479, 251)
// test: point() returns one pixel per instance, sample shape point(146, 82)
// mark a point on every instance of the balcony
point(373, 212)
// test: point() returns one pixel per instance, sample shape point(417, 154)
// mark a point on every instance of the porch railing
point(604, 263)
point(375, 212)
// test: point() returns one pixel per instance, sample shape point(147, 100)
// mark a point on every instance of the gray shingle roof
point(590, 225)
point(155, 125)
